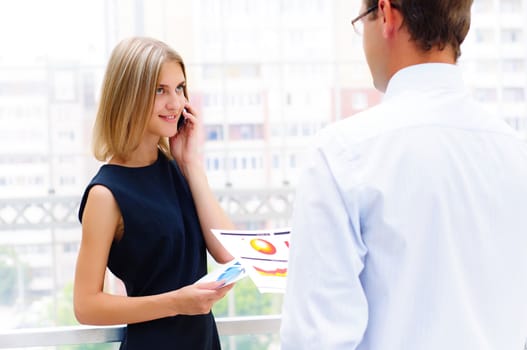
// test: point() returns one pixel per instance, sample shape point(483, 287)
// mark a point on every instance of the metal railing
point(31, 337)
point(52, 212)
point(61, 211)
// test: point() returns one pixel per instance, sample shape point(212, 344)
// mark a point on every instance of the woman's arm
point(211, 214)
point(185, 147)
point(93, 306)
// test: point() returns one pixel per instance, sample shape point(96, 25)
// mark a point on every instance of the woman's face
point(169, 100)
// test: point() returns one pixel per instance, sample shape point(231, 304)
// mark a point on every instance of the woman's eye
point(160, 90)
point(180, 89)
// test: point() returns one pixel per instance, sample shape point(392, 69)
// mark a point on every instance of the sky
point(51, 29)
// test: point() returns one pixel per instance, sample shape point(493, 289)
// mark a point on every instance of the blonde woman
point(147, 213)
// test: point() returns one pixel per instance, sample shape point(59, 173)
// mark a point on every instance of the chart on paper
point(263, 253)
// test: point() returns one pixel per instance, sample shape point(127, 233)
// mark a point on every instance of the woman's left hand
point(185, 145)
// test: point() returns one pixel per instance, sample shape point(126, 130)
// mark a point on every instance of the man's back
point(429, 246)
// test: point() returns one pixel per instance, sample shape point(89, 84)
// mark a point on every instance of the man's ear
point(391, 18)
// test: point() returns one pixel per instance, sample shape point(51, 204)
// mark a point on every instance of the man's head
point(413, 31)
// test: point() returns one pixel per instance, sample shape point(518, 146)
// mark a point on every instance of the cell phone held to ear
point(181, 122)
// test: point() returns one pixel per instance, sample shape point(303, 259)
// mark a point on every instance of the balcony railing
point(22, 338)
point(61, 211)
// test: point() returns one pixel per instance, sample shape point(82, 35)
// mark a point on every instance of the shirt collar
point(426, 77)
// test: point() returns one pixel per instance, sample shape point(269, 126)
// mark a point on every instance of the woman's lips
point(168, 117)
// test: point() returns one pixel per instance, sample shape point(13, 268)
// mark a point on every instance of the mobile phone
point(181, 121)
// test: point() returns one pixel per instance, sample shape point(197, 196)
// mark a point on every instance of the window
point(517, 122)
point(276, 161)
point(211, 100)
point(513, 65)
point(212, 163)
point(482, 6)
point(484, 35)
point(509, 6)
point(485, 94)
point(89, 89)
point(292, 130)
point(67, 180)
point(246, 132)
point(292, 161)
point(64, 86)
point(511, 35)
point(245, 71)
point(513, 94)
point(214, 132)
point(488, 66)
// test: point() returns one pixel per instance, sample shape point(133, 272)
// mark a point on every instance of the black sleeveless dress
point(162, 249)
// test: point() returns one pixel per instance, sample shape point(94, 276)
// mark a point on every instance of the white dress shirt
point(410, 226)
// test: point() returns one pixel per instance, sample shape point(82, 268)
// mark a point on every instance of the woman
point(147, 213)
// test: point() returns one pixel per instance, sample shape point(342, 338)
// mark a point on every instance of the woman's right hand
point(197, 299)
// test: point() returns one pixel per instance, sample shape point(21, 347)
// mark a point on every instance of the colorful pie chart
point(263, 246)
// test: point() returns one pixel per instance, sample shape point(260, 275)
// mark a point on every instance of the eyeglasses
point(358, 22)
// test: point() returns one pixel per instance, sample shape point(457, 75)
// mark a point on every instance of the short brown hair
point(435, 23)
point(127, 97)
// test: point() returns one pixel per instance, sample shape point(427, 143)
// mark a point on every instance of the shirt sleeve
point(325, 306)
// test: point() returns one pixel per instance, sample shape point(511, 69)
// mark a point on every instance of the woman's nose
point(175, 102)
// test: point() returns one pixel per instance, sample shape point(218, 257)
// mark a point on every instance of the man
point(410, 223)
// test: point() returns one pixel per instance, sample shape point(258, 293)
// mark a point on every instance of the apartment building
point(495, 58)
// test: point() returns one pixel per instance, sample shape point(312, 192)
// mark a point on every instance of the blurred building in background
point(495, 58)
point(264, 74)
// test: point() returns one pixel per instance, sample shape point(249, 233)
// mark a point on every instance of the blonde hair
point(127, 97)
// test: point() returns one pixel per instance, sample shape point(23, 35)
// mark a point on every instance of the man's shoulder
point(360, 126)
